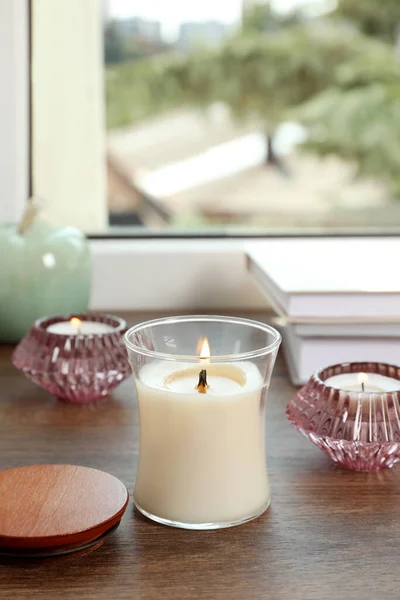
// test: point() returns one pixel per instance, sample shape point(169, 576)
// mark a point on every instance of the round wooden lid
point(57, 506)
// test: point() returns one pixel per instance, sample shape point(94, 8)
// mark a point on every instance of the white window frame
point(67, 111)
point(14, 108)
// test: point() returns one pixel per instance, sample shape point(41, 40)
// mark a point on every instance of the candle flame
point(75, 322)
point(362, 378)
point(203, 348)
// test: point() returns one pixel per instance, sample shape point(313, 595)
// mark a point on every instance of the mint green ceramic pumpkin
point(44, 271)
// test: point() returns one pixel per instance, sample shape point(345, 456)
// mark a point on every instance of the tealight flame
point(75, 322)
point(203, 348)
point(362, 380)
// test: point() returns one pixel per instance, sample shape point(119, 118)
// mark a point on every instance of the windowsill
point(174, 274)
point(177, 274)
point(135, 233)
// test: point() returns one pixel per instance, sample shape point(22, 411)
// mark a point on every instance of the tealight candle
point(202, 451)
point(350, 411)
point(77, 327)
point(363, 382)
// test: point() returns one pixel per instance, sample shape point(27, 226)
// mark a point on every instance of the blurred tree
point(242, 73)
point(343, 85)
point(359, 118)
point(258, 77)
point(377, 18)
point(263, 18)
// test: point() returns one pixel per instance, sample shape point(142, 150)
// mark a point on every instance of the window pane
point(252, 116)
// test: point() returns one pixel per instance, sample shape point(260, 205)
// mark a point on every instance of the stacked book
point(337, 300)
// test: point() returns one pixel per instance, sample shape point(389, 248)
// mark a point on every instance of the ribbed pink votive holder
point(76, 368)
point(357, 430)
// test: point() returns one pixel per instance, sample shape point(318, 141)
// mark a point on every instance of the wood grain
point(329, 533)
point(46, 506)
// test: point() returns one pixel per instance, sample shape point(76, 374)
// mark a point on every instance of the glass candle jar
point(202, 384)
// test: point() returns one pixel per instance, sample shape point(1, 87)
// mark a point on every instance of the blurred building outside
point(218, 173)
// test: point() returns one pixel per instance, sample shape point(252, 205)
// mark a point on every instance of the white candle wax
point(202, 456)
point(85, 328)
point(373, 383)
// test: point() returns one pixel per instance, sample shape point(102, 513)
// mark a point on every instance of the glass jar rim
point(199, 318)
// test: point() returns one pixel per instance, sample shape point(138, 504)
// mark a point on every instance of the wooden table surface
point(329, 533)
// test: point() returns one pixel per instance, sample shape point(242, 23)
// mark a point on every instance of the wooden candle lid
point(57, 508)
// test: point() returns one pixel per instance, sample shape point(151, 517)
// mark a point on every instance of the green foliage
point(127, 93)
point(377, 63)
point(261, 18)
point(359, 117)
point(262, 77)
point(258, 77)
point(372, 139)
point(376, 18)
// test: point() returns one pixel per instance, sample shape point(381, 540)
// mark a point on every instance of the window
point(153, 119)
point(234, 116)
point(252, 116)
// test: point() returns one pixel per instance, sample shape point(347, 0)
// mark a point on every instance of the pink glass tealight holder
point(77, 365)
point(352, 412)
